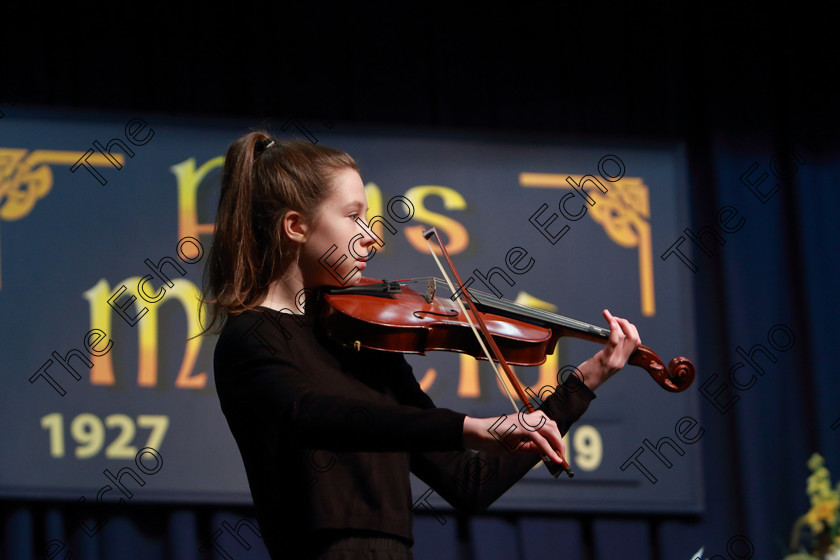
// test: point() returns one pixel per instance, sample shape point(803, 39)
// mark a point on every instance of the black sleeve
point(471, 480)
point(272, 385)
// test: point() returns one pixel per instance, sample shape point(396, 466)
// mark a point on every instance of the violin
point(392, 317)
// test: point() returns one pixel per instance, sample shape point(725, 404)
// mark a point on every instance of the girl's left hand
point(624, 340)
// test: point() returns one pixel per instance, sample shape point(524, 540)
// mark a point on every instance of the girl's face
point(334, 245)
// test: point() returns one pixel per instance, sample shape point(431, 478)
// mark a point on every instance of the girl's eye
point(354, 215)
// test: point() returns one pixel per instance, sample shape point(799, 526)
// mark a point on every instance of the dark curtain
point(744, 89)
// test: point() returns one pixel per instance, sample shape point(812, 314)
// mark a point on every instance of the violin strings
point(472, 326)
point(523, 310)
point(532, 312)
point(485, 298)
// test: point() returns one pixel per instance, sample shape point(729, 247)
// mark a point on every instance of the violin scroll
point(677, 377)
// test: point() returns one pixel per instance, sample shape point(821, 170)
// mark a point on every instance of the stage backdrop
point(107, 221)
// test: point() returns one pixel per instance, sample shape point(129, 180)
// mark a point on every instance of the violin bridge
point(431, 288)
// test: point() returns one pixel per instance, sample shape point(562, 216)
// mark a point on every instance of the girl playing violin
point(328, 435)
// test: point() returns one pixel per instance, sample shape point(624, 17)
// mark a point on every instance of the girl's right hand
point(533, 433)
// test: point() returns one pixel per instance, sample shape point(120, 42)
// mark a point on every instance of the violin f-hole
point(423, 314)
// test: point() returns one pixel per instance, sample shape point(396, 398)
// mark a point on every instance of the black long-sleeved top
point(328, 435)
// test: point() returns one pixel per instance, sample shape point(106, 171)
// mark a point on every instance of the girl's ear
point(295, 226)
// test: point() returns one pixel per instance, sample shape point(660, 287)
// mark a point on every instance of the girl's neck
point(283, 293)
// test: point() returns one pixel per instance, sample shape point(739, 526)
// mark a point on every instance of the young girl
point(328, 435)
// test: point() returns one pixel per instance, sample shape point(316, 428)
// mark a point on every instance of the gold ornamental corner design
point(623, 212)
point(26, 177)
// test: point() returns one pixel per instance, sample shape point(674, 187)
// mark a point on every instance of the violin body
point(408, 322)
